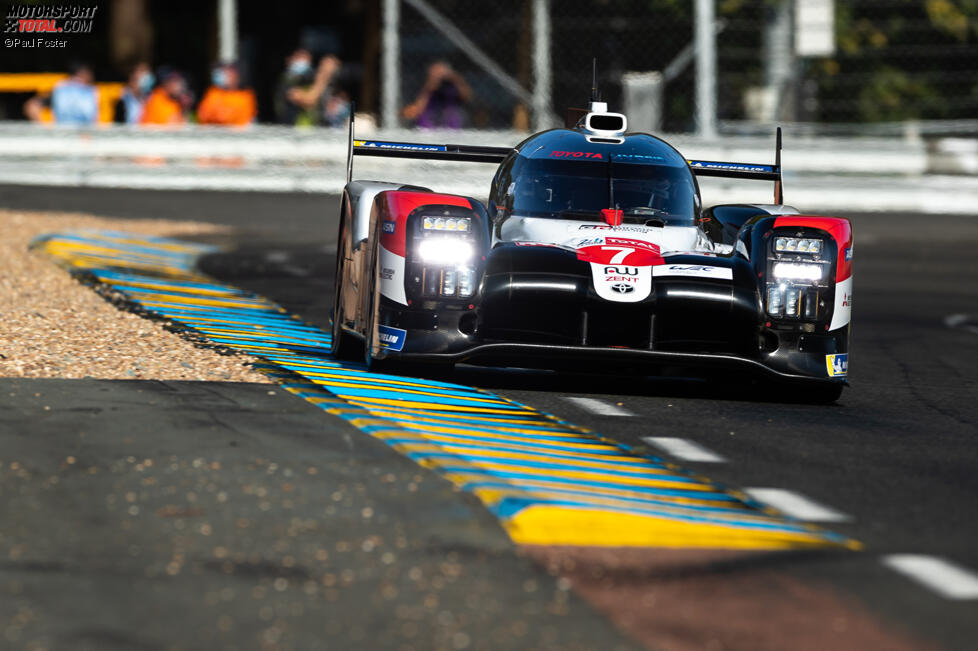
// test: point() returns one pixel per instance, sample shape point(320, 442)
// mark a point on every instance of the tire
point(372, 339)
point(344, 346)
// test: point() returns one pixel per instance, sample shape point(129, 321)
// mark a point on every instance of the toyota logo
point(623, 288)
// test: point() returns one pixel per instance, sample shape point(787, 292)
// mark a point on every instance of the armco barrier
point(838, 173)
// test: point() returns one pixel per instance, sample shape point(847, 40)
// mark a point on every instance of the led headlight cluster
point(447, 252)
point(797, 245)
point(796, 276)
point(456, 224)
point(797, 271)
point(449, 281)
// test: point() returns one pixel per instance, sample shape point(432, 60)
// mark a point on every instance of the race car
point(592, 251)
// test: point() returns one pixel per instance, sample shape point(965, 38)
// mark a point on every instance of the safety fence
point(817, 61)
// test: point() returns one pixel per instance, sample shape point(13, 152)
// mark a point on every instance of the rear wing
point(746, 170)
point(481, 154)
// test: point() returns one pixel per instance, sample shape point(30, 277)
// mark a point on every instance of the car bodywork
point(429, 277)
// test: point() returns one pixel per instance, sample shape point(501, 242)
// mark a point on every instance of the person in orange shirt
point(167, 104)
point(225, 102)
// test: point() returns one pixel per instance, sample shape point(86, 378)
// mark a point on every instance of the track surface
point(896, 456)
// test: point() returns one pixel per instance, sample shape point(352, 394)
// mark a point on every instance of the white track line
point(683, 449)
point(598, 407)
point(795, 505)
point(961, 322)
point(944, 578)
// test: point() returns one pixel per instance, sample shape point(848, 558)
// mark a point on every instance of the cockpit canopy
point(570, 176)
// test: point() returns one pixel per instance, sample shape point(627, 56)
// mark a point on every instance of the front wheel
point(343, 346)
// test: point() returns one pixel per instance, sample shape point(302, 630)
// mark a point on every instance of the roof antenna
point(595, 105)
point(595, 95)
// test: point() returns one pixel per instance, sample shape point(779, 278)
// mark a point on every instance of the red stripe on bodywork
point(398, 204)
point(838, 227)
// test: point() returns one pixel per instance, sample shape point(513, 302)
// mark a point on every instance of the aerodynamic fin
point(757, 172)
point(469, 153)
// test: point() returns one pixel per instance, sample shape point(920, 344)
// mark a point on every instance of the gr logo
point(622, 271)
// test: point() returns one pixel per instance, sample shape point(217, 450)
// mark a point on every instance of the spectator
point(37, 108)
point(225, 102)
point(304, 98)
point(75, 100)
point(169, 103)
point(336, 109)
point(294, 86)
point(440, 102)
point(129, 107)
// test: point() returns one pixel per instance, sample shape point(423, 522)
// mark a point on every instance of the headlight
point(797, 271)
point(457, 224)
point(797, 245)
point(444, 250)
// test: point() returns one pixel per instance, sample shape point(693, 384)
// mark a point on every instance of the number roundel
point(621, 251)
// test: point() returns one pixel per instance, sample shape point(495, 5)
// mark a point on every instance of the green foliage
point(901, 59)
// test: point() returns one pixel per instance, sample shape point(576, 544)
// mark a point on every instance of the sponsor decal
point(848, 253)
point(622, 271)
point(576, 154)
point(389, 227)
point(621, 283)
point(617, 229)
point(398, 145)
point(694, 271)
point(591, 241)
point(391, 338)
point(837, 365)
point(738, 167)
point(628, 157)
point(842, 307)
point(392, 276)
point(638, 244)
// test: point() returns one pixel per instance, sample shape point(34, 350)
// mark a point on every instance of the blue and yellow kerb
point(548, 481)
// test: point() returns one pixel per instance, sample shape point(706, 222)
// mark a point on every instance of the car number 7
point(623, 252)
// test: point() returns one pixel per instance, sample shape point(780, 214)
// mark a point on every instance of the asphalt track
point(895, 457)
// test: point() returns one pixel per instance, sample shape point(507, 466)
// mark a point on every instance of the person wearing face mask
point(169, 103)
point(225, 102)
point(129, 107)
point(307, 96)
point(298, 76)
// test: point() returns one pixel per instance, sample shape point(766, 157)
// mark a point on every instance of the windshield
point(580, 190)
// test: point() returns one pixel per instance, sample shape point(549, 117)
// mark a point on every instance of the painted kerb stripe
point(541, 495)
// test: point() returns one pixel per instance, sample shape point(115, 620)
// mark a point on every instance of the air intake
point(599, 122)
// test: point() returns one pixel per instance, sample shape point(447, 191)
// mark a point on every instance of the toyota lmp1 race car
point(592, 250)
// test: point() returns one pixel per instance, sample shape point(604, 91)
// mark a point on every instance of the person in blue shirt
point(129, 107)
point(75, 100)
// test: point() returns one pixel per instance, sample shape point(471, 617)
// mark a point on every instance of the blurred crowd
point(307, 93)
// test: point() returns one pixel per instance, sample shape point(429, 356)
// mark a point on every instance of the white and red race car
point(593, 249)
